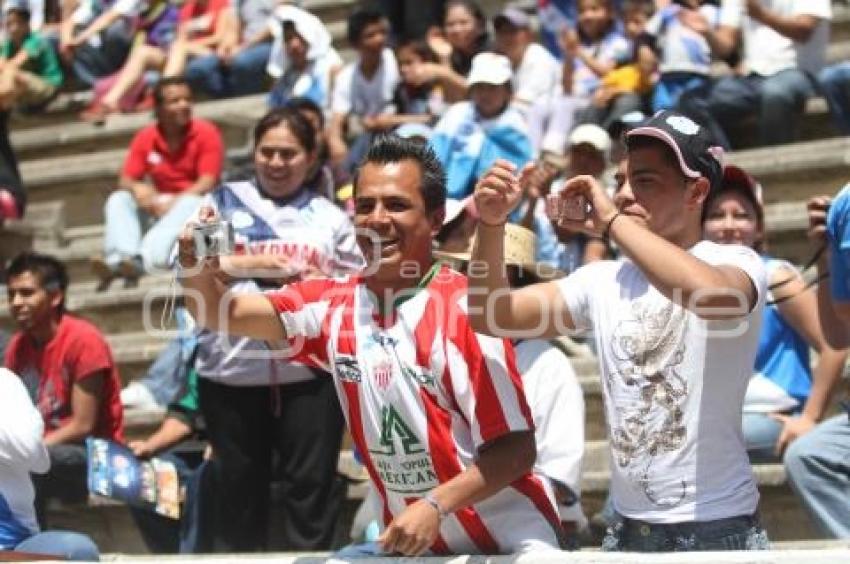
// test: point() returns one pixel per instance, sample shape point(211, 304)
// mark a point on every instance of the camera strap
point(170, 304)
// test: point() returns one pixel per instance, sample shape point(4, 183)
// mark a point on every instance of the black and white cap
point(695, 149)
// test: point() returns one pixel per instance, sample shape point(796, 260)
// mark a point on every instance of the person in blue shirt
point(785, 399)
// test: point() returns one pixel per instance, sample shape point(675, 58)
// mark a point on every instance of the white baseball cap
point(490, 68)
point(590, 134)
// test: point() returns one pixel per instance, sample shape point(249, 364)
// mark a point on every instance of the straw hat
point(520, 244)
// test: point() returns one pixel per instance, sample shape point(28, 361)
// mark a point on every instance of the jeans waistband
point(742, 521)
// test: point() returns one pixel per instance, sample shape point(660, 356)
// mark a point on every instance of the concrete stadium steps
point(234, 116)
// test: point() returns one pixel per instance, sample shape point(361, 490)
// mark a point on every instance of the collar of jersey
point(423, 283)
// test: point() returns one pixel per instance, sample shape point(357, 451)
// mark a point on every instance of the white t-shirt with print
point(766, 51)
point(355, 94)
point(674, 387)
point(537, 76)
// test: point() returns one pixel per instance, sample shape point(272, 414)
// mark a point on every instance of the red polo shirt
point(201, 153)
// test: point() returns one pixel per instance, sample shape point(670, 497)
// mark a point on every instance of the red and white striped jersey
point(422, 393)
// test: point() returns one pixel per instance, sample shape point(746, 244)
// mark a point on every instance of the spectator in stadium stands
point(783, 43)
point(363, 89)
point(472, 135)
point(13, 196)
point(464, 35)
point(170, 165)
point(193, 532)
point(412, 19)
point(238, 66)
point(681, 54)
point(835, 85)
point(592, 49)
point(155, 30)
point(22, 453)
point(257, 408)
point(553, 392)
point(303, 60)
point(200, 30)
point(419, 387)
point(30, 75)
point(818, 463)
point(675, 328)
point(68, 370)
point(44, 17)
point(555, 16)
point(785, 399)
point(95, 38)
point(537, 74)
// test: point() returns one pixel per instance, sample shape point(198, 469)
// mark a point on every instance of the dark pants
point(245, 433)
point(410, 19)
point(732, 533)
point(66, 479)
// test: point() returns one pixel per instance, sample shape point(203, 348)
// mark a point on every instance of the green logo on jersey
point(393, 424)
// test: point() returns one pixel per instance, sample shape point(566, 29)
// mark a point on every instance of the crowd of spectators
point(487, 100)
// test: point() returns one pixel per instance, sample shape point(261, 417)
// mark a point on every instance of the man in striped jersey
point(437, 411)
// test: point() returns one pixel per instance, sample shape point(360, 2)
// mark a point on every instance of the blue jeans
point(777, 101)
point(125, 224)
point(166, 378)
point(818, 468)
point(246, 73)
point(760, 435)
point(835, 83)
point(64, 544)
point(672, 85)
point(733, 533)
point(358, 551)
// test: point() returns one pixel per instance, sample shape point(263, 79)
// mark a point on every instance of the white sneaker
point(136, 395)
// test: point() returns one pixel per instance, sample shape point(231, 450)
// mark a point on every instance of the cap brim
point(668, 140)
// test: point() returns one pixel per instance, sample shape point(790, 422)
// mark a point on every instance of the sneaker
point(137, 396)
point(104, 272)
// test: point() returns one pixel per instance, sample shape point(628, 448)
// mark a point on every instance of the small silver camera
point(571, 208)
point(213, 239)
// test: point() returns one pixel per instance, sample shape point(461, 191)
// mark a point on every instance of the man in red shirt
point(170, 165)
point(67, 367)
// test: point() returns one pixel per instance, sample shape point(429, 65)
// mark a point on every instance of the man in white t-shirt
point(536, 72)
point(364, 88)
point(675, 324)
point(436, 411)
point(784, 44)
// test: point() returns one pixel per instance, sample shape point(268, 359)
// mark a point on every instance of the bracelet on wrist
point(606, 233)
point(432, 501)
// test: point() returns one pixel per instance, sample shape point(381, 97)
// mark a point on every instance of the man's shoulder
point(145, 135)
point(79, 329)
point(204, 127)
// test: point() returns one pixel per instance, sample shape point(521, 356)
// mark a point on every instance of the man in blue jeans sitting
point(783, 46)
point(22, 452)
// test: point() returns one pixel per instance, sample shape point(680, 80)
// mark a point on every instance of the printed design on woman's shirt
point(649, 347)
point(401, 460)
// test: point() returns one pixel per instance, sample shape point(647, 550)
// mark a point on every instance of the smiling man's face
point(395, 230)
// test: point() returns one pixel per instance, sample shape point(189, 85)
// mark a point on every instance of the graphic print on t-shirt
point(400, 458)
point(649, 349)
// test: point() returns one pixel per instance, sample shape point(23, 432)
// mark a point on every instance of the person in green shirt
point(30, 74)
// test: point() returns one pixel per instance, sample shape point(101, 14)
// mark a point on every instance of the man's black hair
point(359, 21)
point(51, 273)
point(388, 148)
point(162, 84)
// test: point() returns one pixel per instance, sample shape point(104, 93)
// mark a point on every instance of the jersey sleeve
point(92, 356)
point(303, 309)
point(485, 383)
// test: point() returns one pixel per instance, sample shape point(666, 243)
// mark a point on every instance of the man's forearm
point(827, 374)
point(204, 184)
point(72, 432)
point(487, 278)
point(203, 296)
point(798, 28)
point(499, 464)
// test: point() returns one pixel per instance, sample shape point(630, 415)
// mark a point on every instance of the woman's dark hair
point(388, 148)
point(471, 7)
point(294, 121)
point(420, 47)
point(304, 104)
point(51, 273)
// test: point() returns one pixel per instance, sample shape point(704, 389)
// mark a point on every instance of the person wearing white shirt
point(784, 44)
point(675, 323)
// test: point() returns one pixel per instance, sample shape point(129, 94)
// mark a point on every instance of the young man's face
point(32, 306)
point(512, 41)
point(176, 107)
point(395, 230)
point(17, 27)
point(373, 38)
point(656, 193)
point(490, 99)
point(295, 46)
point(586, 159)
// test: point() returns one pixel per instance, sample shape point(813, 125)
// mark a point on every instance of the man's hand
point(602, 210)
point(141, 449)
point(412, 532)
point(817, 208)
point(438, 44)
point(161, 204)
point(499, 191)
point(792, 429)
